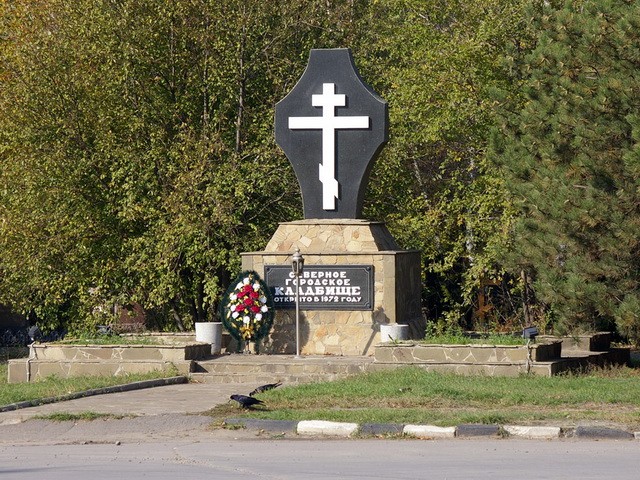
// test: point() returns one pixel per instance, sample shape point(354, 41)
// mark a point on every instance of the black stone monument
point(331, 126)
point(356, 279)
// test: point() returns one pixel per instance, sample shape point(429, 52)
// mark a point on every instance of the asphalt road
point(235, 456)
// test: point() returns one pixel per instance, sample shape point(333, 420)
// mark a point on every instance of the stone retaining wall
point(75, 360)
point(466, 354)
point(25, 370)
point(167, 353)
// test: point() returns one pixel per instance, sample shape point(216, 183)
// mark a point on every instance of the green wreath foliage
point(246, 308)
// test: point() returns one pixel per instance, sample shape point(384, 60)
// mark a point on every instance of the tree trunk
point(176, 317)
point(525, 297)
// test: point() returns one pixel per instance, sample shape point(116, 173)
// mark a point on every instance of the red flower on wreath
point(247, 306)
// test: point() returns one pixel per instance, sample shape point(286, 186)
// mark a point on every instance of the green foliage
point(138, 160)
point(137, 150)
point(462, 339)
point(436, 65)
point(571, 159)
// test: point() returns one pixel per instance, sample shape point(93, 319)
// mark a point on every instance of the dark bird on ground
point(264, 388)
point(246, 402)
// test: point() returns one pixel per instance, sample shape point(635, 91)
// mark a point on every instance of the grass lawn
point(410, 395)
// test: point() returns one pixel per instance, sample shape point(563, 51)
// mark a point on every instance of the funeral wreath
point(247, 309)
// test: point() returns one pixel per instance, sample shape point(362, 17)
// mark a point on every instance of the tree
point(138, 158)
point(136, 147)
point(437, 64)
point(570, 155)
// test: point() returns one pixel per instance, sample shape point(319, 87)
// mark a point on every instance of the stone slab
point(321, 427)
point(24, 370)
point(593, 342)
point(465, 354)
point(533, 432)
point(601, 432)
point(169, 353)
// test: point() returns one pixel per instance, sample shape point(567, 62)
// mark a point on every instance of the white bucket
point(210, 332)
point(394, 332)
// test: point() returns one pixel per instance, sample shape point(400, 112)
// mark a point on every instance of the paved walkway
point(188, 398)
point(149, 415)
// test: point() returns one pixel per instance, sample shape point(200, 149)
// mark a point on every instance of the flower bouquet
point(247, 309)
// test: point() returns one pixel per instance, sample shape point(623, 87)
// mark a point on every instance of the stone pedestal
point(396, 285)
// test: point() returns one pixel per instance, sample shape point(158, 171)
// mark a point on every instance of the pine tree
point(571, 158)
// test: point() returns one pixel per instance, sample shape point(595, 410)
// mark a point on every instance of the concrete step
point(273, 368)
point(258, 379)
point(238, 368)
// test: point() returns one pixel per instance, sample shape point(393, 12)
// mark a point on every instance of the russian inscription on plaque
point(322, 287)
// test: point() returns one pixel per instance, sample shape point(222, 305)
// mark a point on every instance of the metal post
point(297, 264)
point(297, 315)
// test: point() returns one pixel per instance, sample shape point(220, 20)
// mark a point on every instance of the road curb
point(127, 387)
point(602, 432)
point(321, 427)
point(429, 431)
point(477, 430)
point(542, 433)
point(343, 429)
point(381, 429)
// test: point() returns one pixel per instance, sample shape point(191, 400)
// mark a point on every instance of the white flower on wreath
point(246, 320)
point(233, 297)
point(256, 286)
point(264, 308)
point(258, 317)
point(246, 281)
point(235, 314)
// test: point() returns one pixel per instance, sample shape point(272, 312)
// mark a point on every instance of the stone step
point(274, 368)
point(258, 379)
point(487, 369)
point(237, 368)
point(594, 342)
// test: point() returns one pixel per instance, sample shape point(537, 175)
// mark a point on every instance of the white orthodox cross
point(328, 123)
